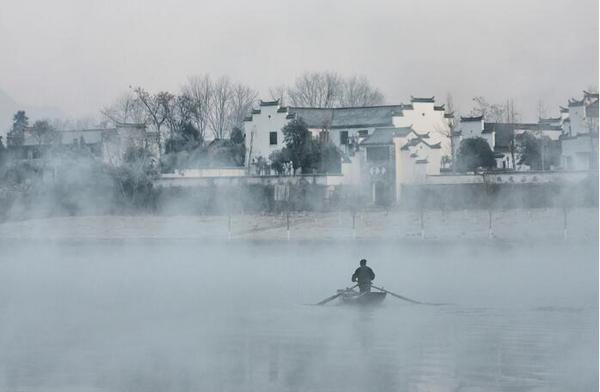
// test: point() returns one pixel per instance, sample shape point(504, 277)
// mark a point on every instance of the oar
point(407, 299)
point(328, 299)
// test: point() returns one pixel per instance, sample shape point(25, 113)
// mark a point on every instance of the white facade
point(264, 121)
point(577, 121)
point(472, 127)
point(347, 128)
point(578, 152)
point(579, 142)
point(424, 116)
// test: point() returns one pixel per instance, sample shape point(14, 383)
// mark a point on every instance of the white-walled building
point(501, 136)
point(579, 141)
point(107, 144)
point(345, 127)
point(393, 157)
point(383, 146)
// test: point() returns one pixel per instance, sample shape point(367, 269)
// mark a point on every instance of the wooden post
point(490, 220)
point(422, 220)
point(565, 223)
point(229, 226)
point(287, 219)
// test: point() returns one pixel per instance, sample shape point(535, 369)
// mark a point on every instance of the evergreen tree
point(15, 136)
point(474, 153)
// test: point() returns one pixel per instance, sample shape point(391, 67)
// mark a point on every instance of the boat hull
point(364, 299)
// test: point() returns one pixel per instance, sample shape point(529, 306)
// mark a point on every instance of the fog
point(179, 315)
point(110, 281)
point(80, 55)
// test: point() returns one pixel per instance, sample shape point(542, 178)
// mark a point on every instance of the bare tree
point(126, 109)
point(279, 93)
point(490, 112)
point(451, 110)
point(200, 91)
point(356, 91)
point(219, 117)
point(541, 109)
point(157, 108)
point(328, 90)
point(314, 89)
point(242, 100)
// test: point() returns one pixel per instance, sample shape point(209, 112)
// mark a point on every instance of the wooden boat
point(351, 297)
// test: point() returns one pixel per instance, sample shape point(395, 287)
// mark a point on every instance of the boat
point(352, 297)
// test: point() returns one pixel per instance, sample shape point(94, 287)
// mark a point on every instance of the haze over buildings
point(80, 55)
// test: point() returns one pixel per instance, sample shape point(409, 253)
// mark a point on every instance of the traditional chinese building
point(383, 146)
point(107, 144)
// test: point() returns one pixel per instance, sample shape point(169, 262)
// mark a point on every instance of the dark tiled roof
point(248, 118)
point(505, 131)
point(574, 102)
point(549, 120)
point(590, 95)
point(563, 109)
point(282, 109)
point(386, 135)
point(90, 136)
point(477, 118)
point(449, 115)
point(340, 118)
point(419, 140)
point(439, 107)
point(418, 99)
point(255, 111)
point(314, 118)
point(131, 125)
point(269, 103)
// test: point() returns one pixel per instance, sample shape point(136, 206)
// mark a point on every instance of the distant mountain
point(8, 107)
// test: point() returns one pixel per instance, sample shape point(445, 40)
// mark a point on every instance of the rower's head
point(363, 262)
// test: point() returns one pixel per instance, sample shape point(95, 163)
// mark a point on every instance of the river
point(186, 315)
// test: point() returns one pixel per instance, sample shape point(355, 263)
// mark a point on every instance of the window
point(273, 138)
point(363, 133)
point(344, 138)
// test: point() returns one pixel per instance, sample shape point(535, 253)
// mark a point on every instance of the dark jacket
point(363, 275)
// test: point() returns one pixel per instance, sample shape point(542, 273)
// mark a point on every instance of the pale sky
point(79, 55)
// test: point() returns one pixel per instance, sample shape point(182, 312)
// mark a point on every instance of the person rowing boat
point(363, 276)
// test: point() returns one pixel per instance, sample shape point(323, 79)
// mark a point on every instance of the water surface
point(166, 315)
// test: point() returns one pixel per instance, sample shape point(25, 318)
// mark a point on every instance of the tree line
point(328, 90)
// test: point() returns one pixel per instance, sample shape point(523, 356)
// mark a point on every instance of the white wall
point(258, 130)
point(577, 152)
point(352, 171)
point(577, 118)
point(471, 129)
point(423, 118)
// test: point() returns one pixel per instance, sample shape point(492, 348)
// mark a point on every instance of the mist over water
point(186, 315)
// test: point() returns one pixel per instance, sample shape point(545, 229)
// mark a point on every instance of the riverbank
point(512, 225)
